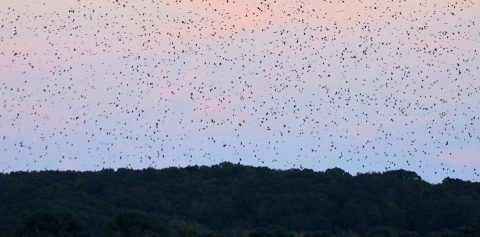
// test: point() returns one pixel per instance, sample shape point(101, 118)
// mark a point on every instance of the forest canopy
point(235, 200)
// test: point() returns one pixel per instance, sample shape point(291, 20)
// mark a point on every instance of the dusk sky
point(361, 85)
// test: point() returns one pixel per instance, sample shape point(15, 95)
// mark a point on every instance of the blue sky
point(361, 85)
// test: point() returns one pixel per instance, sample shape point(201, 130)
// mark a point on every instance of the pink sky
point(285, 84)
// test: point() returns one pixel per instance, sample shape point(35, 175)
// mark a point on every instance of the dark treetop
point(235, 200)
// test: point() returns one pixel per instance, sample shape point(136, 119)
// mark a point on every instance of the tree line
point(235, 200)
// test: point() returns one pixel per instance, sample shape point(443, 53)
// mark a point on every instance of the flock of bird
point(364, 85)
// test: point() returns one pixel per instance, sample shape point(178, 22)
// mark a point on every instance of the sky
point(366, 86)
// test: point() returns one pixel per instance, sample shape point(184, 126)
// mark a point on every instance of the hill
point(235, 200)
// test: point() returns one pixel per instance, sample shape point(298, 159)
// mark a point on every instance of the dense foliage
point(235, 200)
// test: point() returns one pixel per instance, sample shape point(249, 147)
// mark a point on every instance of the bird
point(364, 85)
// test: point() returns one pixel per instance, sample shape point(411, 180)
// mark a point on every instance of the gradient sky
point(360, 85)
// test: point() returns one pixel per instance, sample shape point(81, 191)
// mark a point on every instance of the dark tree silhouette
point(235, 200)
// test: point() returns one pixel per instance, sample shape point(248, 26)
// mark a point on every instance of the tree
point(50, 225)
point(134, 224)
